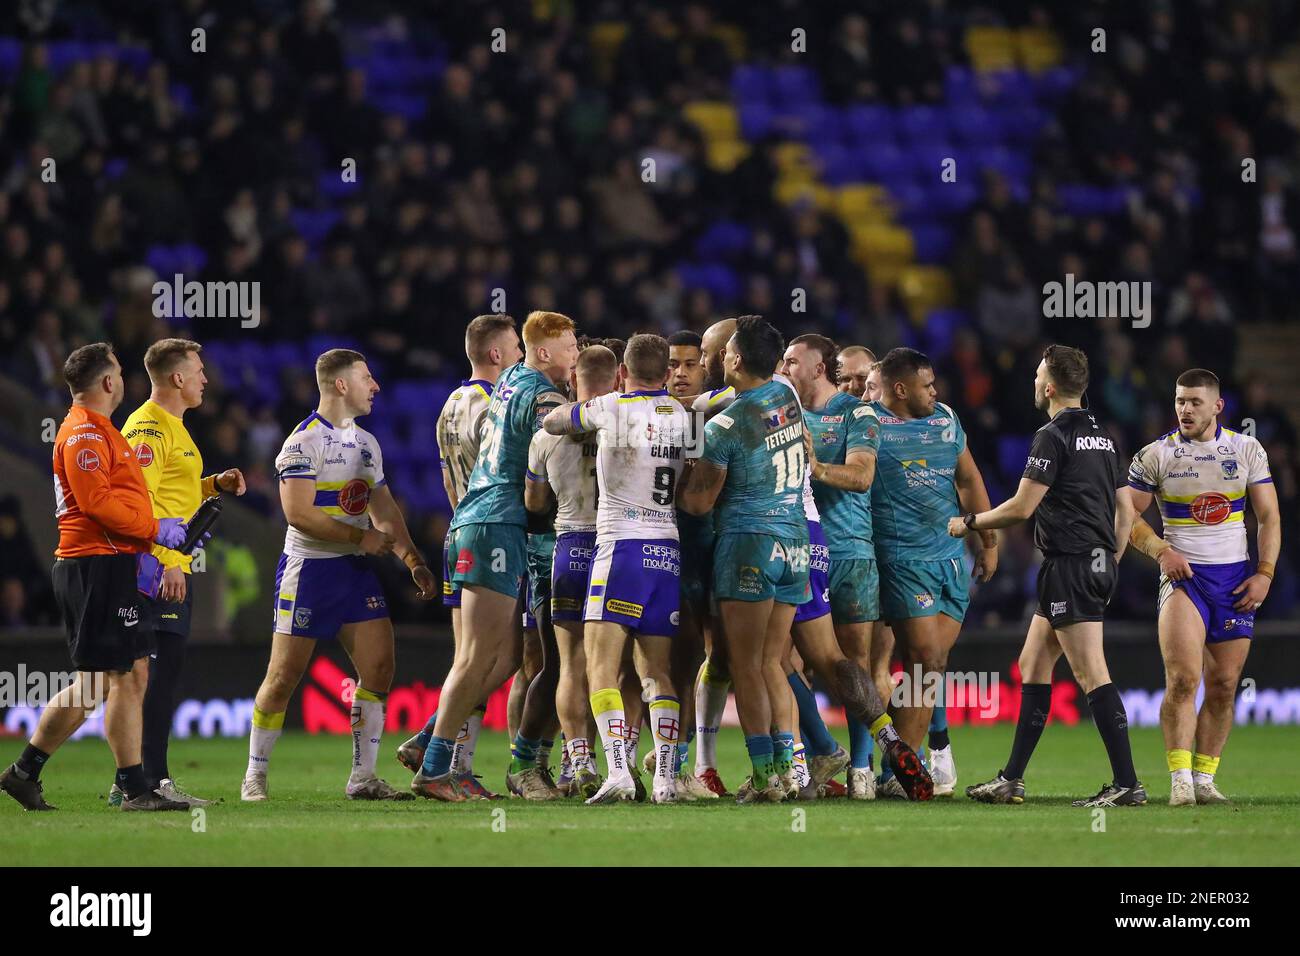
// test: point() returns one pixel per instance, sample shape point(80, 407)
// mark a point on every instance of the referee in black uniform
point(1074, 485)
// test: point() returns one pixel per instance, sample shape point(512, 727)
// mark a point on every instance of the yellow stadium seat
point(862, 203)
point(724, 154)
point(607, 37)
point(790, 191)
point(924, 288)
point(793, 156)
point(1038, 49)
point(991, 48)
point(715, 120)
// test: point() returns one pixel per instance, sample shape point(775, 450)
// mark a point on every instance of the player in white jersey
point(492, 346)
point(562, 473)
point(1202, 475)
point(635, 573)
point(341, 515)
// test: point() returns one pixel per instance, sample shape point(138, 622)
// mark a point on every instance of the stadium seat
point(923, 125)
point(940, 328)
point(870, 125)
point(722, 240)
point(1013, 450)
point(976, 125)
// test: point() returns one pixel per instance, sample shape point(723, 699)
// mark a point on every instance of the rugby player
point(635, 572)
point(841, 443)
point(106, 523)
point(925, 475)
point(852, 367)
point(753, 466)
point(713, 681)
point(492, 346)
point(341, 514)
point(1073, 486)
point(562, 471)
point(1203, 474)
point(489, 537)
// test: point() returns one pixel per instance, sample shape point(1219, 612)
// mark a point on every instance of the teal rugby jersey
point(759, 440)
point(522, 398)
point(915, 490)
point(843, 426)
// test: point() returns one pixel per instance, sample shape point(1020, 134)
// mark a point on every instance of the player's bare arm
point(387, 518)
point(538, 496)
point(1253, 590)
point(973, 496)
point(704, 481)
point(297, 497)
point(856, 474)
point(1016, 509)
point(1144, 539)
point(560, 421)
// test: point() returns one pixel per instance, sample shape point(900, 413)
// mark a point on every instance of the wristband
point(1265, 568)
point(969, 520)
point(413, 559)
point(356, 535)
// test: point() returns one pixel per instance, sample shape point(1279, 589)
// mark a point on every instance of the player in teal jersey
point(753, 468)
point(488, 537)
point(925, 475)
point(842, 437)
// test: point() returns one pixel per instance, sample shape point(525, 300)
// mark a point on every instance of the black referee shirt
point(1077, 460)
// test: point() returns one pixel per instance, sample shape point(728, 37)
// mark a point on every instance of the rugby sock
point(666, 726)
point(1035, 709)
point(760, 756)
point(802, 775)
point(607, 707)
point(710, 701)
point(523, 753)
point(683, 755)
point(885, 734)
point(939, 728)
point(159, 706)
point(861, 743)
point(462, 757)
point(630, 744)
point(811, 726)
point(367, 728)
point(265, 732)
point(437, 757)
point(783, 753)
point(544, 749)
point(424, 736)
point(131, 780)
point(1112, 723)
point(1204, 767)
point(30, 764)
point(579, 751)
point(1179, 763)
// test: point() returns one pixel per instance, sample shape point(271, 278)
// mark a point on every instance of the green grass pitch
point(308, 822)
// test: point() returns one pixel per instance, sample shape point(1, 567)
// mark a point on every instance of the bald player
point(853, 365)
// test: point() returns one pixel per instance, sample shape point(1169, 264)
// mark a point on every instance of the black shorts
point(173, 617)
point(108, 624)
point(1073, 588)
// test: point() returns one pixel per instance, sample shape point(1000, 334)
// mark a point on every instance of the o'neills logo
point(73, 909)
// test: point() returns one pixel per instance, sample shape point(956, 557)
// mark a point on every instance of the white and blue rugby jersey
point(345, 463)
point(1201, 488)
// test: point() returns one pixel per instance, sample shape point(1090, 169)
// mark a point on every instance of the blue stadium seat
point(795, 86)
point(409, 106)
point(941, 326)
point(1013, 450)
point(314, 224)
point(1084, 200)
point(756, 120)
point(976, 126)
point(722, 240)
point(933, 242)
point(923, 125)
point(869, 125)
point(750, 84)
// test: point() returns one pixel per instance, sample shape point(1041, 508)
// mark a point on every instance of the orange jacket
point(100, 496)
